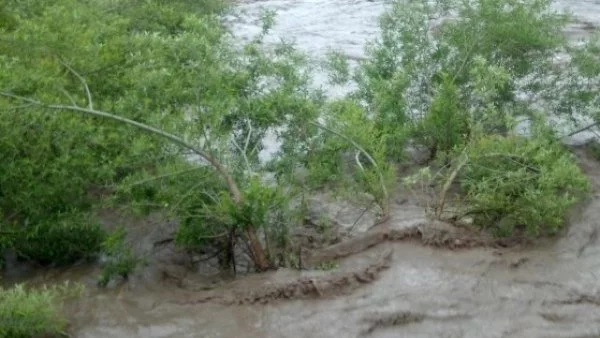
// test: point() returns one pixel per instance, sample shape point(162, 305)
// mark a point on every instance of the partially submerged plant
point(120, 258)
point(513, 182)
point(26, 313)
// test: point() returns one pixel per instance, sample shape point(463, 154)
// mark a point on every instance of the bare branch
point(248, 137)
point(243, 152)
point(22, 106)
point(581, 130)
point(442, 200)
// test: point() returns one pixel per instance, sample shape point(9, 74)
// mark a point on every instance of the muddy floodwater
point(394, 289)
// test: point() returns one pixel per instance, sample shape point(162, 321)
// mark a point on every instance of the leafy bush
point(120, 259)
point(453, 88)
point(217, 215)
point(33, 313)
point(515, 182)
point(422, 81)
point(124, 53)
point(63, 239)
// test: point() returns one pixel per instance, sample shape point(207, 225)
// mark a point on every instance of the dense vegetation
point(150, 106)
point(460, 91)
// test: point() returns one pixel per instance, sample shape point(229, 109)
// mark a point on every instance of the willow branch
point(367, 155)
point(235, 192)
point(62, 90)
point(449, 181)
point(83, 82)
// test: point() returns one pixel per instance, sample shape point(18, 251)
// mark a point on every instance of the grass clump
point(30, 313)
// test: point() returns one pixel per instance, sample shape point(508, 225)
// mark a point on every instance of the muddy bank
point(393, 282)
point(385, 283)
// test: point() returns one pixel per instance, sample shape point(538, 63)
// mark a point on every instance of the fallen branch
point(581, 130)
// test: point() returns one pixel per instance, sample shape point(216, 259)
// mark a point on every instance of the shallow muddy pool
point(550, 291)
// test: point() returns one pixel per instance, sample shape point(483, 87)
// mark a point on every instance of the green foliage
point(185, 191)
point(515, 182)
point(173, 66)
point(214, 216)
point(338, 66)
point(140, 59)
point(260, 200)
point(422, 82)
point(445, 125)
point(34, 313)
point(331, 158)
point(327, 266)
point(453, 89)
point(120, 259)
point(63, 239)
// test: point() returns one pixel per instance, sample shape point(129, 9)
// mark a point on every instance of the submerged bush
point(458, 89)
point(515, 182)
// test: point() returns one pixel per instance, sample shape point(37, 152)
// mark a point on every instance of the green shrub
point(121, 260)
point(426, 84)
point(63, 239)
point(515, 182)
point(33, 313)
point(134, 57)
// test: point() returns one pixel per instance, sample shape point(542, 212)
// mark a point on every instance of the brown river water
point(551, 289)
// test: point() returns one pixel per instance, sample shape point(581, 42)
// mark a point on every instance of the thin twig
point(221, 235)
point(232, 251)
point(361, 215)
point(83, 82)
point(62, 90)
point(189, 192)
point(449, 181)
point(357, 159)
point(237, 146)
point(361, 149)
point(513, 158)
point(245, 149)
point(581, 130)
point(248, 136)
point(22, 106)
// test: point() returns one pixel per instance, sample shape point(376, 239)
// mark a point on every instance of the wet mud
point(404, 278)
